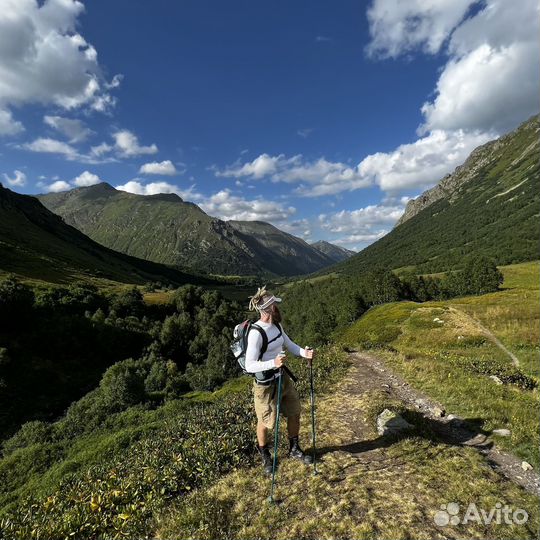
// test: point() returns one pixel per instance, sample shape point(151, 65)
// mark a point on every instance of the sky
point(321, 117)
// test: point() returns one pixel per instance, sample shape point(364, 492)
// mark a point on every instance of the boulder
point(391, 423)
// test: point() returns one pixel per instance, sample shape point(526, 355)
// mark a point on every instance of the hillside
point(163, 228)
point(278, 250)
point(489, 206)
point(37, 244)
point(336, 253)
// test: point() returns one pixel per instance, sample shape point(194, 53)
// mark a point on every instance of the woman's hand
point(309, 353)
point(280, 359)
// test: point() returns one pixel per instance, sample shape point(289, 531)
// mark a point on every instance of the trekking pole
point(276, 438)
point(312, 399)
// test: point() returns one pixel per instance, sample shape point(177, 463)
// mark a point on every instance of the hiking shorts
point(266, 401)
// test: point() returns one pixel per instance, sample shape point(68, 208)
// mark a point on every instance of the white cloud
point(52, 146)
point(18, 180)
point(74, 129)
point(8, 126)
point(363, 220)
point(491, 80)
point(422, 163)
point(43, 59)
point(86, 179)
point(55, 187)
point(322, 176)
point(127, 144)
point(398, 27)
point(262, 166)
point(359, 238)
point(227, 206)
point(165, 168)
point(153, 188)
point(101, 149)
point(415, 165)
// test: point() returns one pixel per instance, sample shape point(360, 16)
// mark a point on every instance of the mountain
point(37, 244)
point(488, 206)
point(336, 253)
point(279, 250)
point(163, 228)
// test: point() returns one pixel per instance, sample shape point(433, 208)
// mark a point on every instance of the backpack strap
point(264, 338)
point(278, 336)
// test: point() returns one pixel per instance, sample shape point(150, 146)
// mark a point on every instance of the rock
point(390, 423)
point(526, 466)
point(437, 411)
point(495, 379)
point(502, 432)
point(385, 385)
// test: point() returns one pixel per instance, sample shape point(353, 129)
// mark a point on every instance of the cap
point(272, 300)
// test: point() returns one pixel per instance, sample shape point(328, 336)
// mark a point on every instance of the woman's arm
point(253, 351)
point(292, 346)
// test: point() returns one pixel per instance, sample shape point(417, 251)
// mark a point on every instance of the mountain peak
point(171, 197)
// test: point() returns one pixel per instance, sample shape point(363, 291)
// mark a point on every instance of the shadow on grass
point(457, 432)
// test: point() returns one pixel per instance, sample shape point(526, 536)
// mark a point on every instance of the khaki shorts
point(266, 401)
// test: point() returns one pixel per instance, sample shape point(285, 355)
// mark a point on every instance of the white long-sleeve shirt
point(254, 345)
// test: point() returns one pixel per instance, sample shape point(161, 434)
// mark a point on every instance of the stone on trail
point(390, 423)
point(495, 379)
point(526, 466)
point(501, 432)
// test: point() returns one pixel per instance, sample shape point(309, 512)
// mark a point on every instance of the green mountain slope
point(336, 253)
point(165, 229)
point(37, 244)
point(280, 252)
point(489, 206)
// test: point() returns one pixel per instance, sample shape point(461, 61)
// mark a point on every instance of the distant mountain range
point(336, 253)
point(488, 206)
point(37, 244)
point(165, 229)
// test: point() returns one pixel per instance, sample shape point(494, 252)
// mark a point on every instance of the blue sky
point(320, 117)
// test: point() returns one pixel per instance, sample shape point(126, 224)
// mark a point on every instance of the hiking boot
point(297, 453)
point(266, 459)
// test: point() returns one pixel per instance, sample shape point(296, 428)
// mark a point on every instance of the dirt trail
point(486, 332)
point(370, 373)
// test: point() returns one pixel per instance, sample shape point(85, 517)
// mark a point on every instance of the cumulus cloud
point(73, 129)
point(47, 145)
point(165, 168)
point(18, 180)
point(153, 188)
point(322, 176)
point(356, 229)
point(86, 179)
point(127, 144)
point(56, 187)
point(490, 81)
point(225, 205)
point(262, 166)
point(414, 165)
point(43, 59)
point(363, 220)
point(422, 163)
point(9, 126)
point(398, 27)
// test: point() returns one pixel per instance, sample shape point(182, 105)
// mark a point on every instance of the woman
point(267, 367)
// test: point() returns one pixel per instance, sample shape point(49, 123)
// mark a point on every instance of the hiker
point(268, 370)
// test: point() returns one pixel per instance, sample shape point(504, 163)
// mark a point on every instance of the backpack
point(239, 347)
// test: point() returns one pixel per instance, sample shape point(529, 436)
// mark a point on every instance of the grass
point(440, 348)
point(392, 493)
